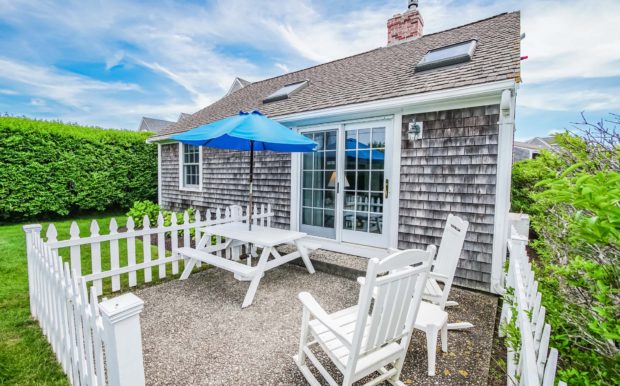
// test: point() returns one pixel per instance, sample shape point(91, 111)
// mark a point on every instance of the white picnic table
point(236, 234)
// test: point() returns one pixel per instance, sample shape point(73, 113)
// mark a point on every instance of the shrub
point(526, 174)
point(575, 214)
point(152, 210)
point(55, 169)
point(144, 208)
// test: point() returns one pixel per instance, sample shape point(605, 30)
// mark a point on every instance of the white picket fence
point(100, 343)
point(84, 334)
point(179, 232)
point(535, 364)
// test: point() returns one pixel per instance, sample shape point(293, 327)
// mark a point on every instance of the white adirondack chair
point(432, 318)
point(444, 267)
point(362, 340)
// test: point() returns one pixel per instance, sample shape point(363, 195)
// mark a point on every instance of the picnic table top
point(259, 235)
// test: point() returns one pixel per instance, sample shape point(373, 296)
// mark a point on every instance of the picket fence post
point(121, 322)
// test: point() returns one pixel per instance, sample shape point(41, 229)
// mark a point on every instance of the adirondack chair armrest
point(439, 277)
point(315, 309)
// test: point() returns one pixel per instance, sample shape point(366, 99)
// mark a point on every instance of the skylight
point(286, 91)
point(444, 56)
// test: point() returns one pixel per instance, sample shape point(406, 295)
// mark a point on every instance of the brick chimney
point(406, 26)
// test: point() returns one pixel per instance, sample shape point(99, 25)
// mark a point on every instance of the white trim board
point(159, 171)
point(502, 187)
point(453, 98)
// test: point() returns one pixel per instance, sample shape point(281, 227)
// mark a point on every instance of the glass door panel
point(318, 185)
point(364, 174)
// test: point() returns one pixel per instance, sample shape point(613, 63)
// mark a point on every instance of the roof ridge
point(379, 48)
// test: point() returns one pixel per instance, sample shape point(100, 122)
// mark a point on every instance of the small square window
point(445, 56)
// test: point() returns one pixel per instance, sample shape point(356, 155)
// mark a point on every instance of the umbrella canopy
point(239, 131)
point(247, 131)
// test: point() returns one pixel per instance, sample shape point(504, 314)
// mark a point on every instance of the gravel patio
point(195, 332)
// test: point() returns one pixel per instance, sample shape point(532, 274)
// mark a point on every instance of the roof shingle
point(382, 73)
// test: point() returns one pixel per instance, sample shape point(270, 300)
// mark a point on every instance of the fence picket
point(131, 252)
point(161, 245)
point(52, 234)
point(270, 214)
point(75, 373)
point(88, 341)
point(174, 242)
point(218, 239)
point(550, 368)
point(74, 251)
point(197, 233)
point(95, 253)
point(262, 212)
point(543, 349)
point(114, 256)
point(97, 339)
point(186, 230)
point(146, 249)
point(227, 215)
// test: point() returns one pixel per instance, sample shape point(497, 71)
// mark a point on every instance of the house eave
point(466, 96)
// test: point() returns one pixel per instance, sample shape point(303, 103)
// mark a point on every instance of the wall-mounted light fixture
point(415, 130)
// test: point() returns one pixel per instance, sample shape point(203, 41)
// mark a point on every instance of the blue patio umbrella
point(247, 131)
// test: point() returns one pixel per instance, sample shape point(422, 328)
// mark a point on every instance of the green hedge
point(573, 198)
point(55, 169)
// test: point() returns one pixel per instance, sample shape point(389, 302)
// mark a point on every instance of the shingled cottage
point(407, 134)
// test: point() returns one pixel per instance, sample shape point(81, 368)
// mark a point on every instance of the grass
point(26, 358)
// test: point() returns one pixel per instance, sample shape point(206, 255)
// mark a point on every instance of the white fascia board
point(460, 97)
point(467, 95)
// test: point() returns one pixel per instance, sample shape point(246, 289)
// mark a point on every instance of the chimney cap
point(413, 4)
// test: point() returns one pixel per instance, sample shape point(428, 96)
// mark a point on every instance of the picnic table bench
point(237, 234)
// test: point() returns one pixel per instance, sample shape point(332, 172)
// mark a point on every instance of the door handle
point(387, 188)
point(337, 187)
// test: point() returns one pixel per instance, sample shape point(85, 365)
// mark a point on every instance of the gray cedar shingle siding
point(225, 181)
point(451, 170)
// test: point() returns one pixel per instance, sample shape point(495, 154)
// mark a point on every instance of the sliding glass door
point(344, 190)
point(318, 185)
point(365, 184)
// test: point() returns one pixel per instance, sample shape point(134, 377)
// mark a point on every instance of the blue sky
point(108, 63)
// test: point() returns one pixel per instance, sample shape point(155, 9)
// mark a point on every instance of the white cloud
point(63, 87)
point(576, 40)
point(114, 60)
point(189, 45)
point(283, 67)
point(559, 98)
point(38, 102)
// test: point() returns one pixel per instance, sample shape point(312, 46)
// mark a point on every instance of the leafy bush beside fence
point(573, 198)
point(54, 169)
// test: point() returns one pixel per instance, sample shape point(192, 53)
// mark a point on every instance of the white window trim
point(182, 187)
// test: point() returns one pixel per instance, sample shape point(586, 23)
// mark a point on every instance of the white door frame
point(393, 138)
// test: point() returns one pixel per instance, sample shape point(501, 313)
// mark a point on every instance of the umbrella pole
point(250, 206)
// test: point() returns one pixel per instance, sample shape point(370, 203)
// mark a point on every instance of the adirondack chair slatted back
point(397, 296)
point(450, 250)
